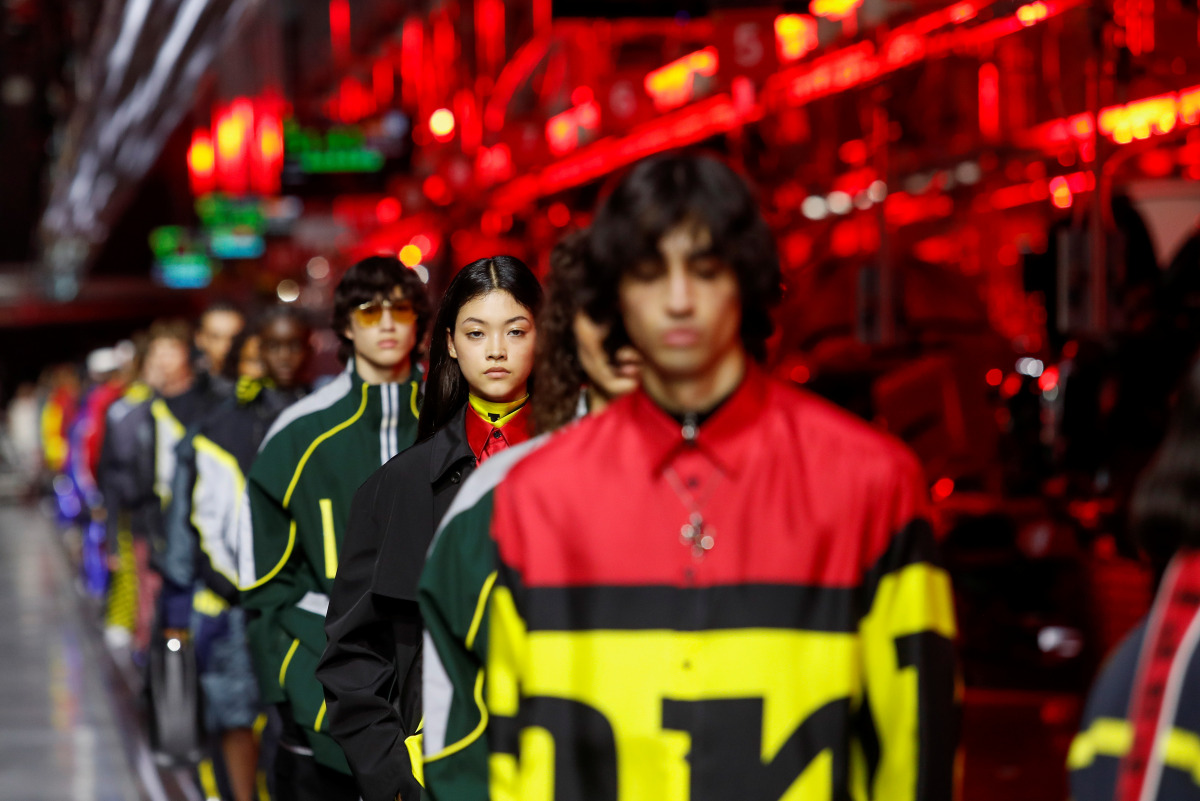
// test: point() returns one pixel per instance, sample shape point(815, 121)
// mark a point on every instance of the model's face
point(250, 360)
point(285, 349)
point(611, 377)
point(215, 336)
point(493, 341)
point(682, 310)
point(166, 365)
point(384, 335)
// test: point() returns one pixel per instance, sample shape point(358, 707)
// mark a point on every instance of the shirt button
point(497, 434)
point(693, 482)
point(455, 478)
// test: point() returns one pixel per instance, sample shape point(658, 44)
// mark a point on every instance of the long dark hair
point(445, 388)
point(662, 192)
point(1164, 510)
point(556, 362)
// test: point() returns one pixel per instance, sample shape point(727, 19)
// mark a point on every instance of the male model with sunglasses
point(719, 588)
point(299, 491)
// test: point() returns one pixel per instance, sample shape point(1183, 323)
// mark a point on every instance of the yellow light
point(200, 155)
point(410, 255)
point(834, 10)
point(441, 123)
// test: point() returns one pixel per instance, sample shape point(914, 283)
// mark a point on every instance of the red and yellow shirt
point(584, 647)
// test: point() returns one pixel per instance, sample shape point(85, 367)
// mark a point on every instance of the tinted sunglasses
point(371, 312)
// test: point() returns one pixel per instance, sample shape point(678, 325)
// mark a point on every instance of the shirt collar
point(514, 431)
point(720, 437)
point(498, 414)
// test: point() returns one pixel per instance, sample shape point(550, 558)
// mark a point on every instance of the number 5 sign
point(746, 43)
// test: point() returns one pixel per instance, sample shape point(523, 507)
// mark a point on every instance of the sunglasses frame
point(402, 312)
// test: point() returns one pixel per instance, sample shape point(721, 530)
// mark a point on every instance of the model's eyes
point(474, 335)
point(706, 267)
point(517, 332)
point(648, 270)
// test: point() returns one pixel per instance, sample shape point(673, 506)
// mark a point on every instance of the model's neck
point(374, 374)
point(597, 401)
point(696, 393)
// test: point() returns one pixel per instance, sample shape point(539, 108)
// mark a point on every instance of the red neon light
point(995, 376)
point(494, 164)
point(387, 210)
point(201, 160)
point(1140, 119)
point(834, 73)
point(489, 34)
point(353, 101)
point(901, 208)
point(795, 36)
point(904, 49)
point(862, 62)
point(562, 130)
point(675, 84)
point(962, 12)
point(267, 157)
point(943, 488)
point(383, 80)
point(1048, 380)
point(1058, 190)
point(559, 215)
point(520, 67)
point(435, 189)
point(989, 101)
point(834, 10)
point(685, 127)
point(1032, 13)
point(412, 43)
point(234, 127)
point(468, 121)
point(339, 27)
point(1060, 193)
point(426, 244)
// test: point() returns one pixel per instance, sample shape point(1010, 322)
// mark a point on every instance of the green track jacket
point(299, 492)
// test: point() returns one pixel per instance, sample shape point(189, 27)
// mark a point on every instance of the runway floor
point(70, 727)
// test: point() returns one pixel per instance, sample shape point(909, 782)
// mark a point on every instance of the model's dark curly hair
point(556, 362)
point(445, 388)
point(658, 194)
point(254, 328)
point(1164, 509)
point(285, 311)
point(375, 277)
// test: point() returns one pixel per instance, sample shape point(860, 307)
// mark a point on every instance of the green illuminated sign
point(168, 240)
point(222, 211)
point(340, 149)
point(363, 160)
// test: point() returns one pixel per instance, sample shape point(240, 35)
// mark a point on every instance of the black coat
point(371, 668)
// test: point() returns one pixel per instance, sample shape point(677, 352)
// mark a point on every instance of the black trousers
point(302, 778)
